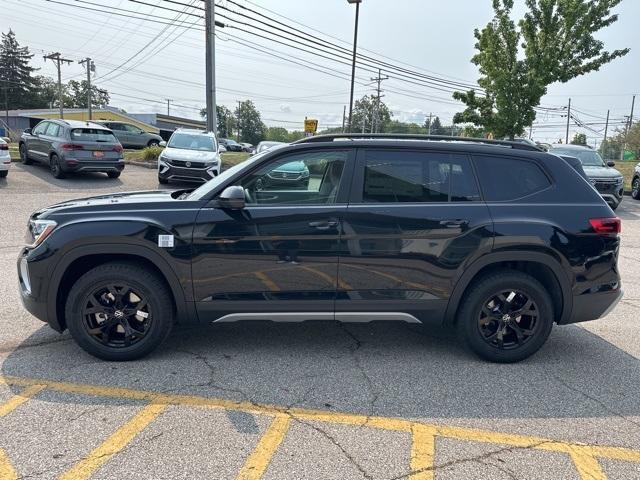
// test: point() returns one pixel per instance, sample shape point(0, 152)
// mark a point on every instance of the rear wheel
point(153, 143)
point(119, 311)
point(54, 165)
point(4, 173)
point(24, 155)
point(506, 317)
point(114, 174)
point(635, 188)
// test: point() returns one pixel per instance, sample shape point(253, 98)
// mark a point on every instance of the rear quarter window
point(92, 135)
point(509, 178)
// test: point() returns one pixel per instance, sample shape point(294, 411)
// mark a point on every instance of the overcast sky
point(429, 36)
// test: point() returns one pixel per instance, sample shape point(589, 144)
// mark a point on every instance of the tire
point(153, 143)
point(615, 207)
point(54, 166)
point(24, 155)
point(109, 342)
point(635, 188)
point(481, 332)
point(4, 173)
point(113, 174)
point(162, 181)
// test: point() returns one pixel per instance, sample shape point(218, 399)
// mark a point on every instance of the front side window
point(41, 128)
point(192, 142)
point(133, 129)
point(417, 177)
point(508, 178)
point(311, 178)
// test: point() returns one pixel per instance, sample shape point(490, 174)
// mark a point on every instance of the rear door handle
point(457, 223)
point(324, 224)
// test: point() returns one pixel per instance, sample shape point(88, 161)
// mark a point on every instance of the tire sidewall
point(635, 188)
point(148, 285)
point(483, 290)
point(56, 169)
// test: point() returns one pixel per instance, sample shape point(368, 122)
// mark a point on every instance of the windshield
point(588, 158)
point(212, 184)
point(185, 141)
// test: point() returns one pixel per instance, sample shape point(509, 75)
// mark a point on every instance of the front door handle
point(454, 223)
point(324, 224)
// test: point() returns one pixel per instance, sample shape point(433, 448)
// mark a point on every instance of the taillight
point(118, 148)
point(4, 146)
point(72, 146)
point(606, 226)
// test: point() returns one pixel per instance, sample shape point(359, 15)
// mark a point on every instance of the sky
point(143, 63)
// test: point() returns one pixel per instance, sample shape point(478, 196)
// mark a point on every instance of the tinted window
point(302, 179)
point(92, 135)
point(116, 126)
point(505, 178)
point(132, 129)
point(417, 177)
point(40, 128)
point(53, 130)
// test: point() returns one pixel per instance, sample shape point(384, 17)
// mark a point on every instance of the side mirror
point(222, 148)
point(163, 144)
point(28, 131)
point(611, 163)
point(232, 198)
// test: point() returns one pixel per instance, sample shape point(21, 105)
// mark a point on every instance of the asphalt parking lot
point(310, 401)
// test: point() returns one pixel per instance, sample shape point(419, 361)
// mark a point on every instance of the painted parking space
point(425, 439)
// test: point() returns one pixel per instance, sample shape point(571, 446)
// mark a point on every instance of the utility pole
point(344, 115)
point(169, 106)
point(210, 28)
point(353, 64)
point(627, 128)
point(606, 127)
point(90, 67)
point(376, 107)
point(530, 131)
point(239, 105)
point(58, 60)
point(430, 120)
point(568, 120)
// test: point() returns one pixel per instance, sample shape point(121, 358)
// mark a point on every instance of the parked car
point(247, 147)
point(608, 181)
point(5, 158)
point(231, 145)
point(500, 239)
point(635, 183)
point(221, 148)
point(290, 175)
point(262, 146)
point(70, 146)
point(131, 136)
point(190, 156)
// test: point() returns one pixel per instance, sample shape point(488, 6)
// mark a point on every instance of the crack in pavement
point(22, 346)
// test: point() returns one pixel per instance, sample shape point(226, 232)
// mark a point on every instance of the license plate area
point(98, 154)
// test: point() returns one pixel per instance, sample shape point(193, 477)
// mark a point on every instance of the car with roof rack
point(72, 146)
point(500, 240)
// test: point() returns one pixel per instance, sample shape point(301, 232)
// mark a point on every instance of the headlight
point(40, 230)
point(620, 181)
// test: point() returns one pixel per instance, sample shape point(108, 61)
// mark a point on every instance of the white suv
point(5, 158)
point(190, 156)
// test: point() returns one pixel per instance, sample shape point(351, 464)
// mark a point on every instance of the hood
point(601, 172)
point(189, 155)
point(114, 202)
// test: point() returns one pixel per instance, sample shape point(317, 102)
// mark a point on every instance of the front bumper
point(167, 171)
point(593, 306)
point(31, 286)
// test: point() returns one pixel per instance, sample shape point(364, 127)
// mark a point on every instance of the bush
point(151, 154)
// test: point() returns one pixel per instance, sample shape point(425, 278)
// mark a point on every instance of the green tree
point(579, 139)
point(365, 111)
point(250, 125)
point(16, 78)
point(437, 128)
point(395, 126)
point(44, 93)
point(76, 95)
point(276, 134)
point(610, 149)
point(225, 118)
point(554, 42)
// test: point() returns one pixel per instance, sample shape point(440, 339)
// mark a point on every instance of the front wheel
point(162, 181)
point(506, 317)
point(4, 173)
point(119, 311)
point(24, 155)
point(635, 188)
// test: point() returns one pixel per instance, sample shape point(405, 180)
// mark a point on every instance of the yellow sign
point(310, 126)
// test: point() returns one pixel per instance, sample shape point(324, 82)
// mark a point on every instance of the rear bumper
point(73, 165)
point(5, 163)
point(593, 306)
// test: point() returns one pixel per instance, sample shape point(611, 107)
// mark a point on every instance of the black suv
point(498, 238)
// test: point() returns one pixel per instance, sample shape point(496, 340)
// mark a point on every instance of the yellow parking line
point(17, 400)
point(270, 284)
point(586, 464)
point(115, 443)
point(259, 460)
point(7, 472)
point(423, 450)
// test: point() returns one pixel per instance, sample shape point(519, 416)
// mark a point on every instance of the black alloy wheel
point(56, 169)
point(116, 315)
point(508, 320)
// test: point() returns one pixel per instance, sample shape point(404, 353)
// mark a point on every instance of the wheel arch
point(82, 259)
point(544, 267)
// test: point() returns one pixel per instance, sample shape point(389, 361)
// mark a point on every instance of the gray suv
point(72, 146)
point(131, 136)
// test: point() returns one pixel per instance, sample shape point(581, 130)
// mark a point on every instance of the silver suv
point(72, 146)
point(190, 156)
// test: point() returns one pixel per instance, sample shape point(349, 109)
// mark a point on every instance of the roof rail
point(431, 138)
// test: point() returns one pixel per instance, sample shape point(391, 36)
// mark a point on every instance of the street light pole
point(353, 65)
point(210, 25)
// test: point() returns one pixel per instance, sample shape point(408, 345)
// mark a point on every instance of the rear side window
point(417, 177)
point(92, 135)
point(508, 178)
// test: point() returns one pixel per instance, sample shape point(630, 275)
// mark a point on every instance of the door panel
point(409, 233)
